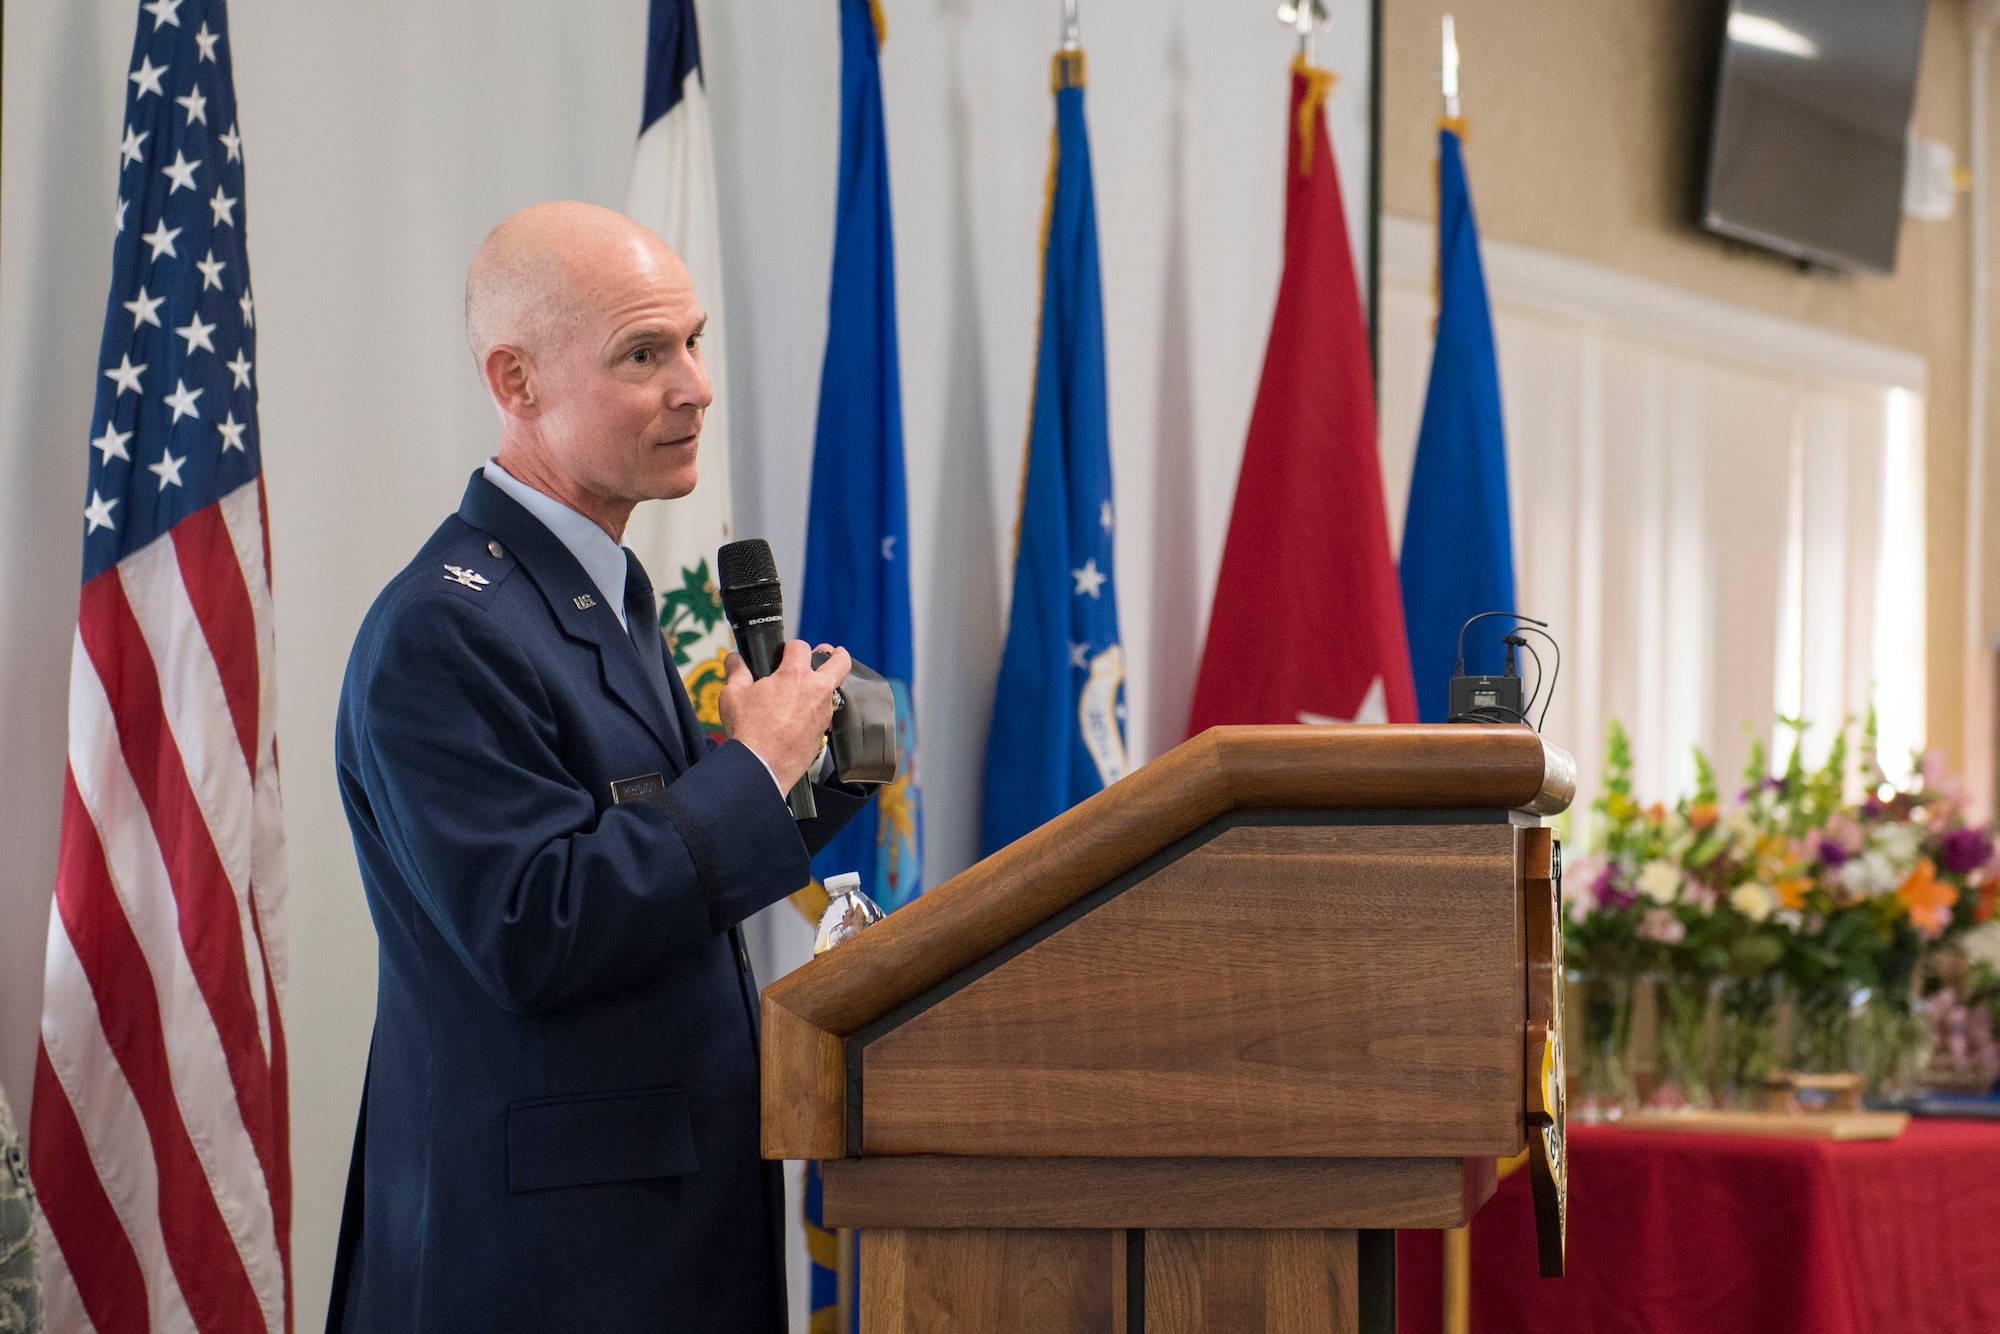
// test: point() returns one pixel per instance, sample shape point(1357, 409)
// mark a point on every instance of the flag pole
point(1453, 121)
point(1457, 1267)
point(1072, 36)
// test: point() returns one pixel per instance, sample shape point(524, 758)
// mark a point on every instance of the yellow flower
point(1792, 891)
point(1754, 901)
point(1660, 881)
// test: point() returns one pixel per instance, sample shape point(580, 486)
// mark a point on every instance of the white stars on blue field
point(175, 426)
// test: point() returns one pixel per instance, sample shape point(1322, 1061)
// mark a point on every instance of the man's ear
point(510, 379)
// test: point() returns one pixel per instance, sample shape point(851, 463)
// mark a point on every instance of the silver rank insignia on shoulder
point(464, 577)
point(584, 601)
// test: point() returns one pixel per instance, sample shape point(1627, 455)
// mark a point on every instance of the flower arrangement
point(1794, 926)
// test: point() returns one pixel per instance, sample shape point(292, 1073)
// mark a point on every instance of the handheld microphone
point(754, 605)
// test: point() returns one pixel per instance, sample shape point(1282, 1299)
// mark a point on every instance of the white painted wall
point(383, 138)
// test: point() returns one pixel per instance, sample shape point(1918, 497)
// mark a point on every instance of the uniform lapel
point(575, 602)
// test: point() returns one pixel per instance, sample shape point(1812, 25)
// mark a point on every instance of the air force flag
point(1058, 730)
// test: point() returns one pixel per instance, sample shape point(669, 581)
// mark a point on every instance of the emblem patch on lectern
point(1544, 1112)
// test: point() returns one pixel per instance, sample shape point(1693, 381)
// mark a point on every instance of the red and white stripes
point(161, 1136)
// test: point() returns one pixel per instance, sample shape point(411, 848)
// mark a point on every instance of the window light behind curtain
point(1718, 512)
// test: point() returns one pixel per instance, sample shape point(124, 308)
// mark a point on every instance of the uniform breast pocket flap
point(598, 1138)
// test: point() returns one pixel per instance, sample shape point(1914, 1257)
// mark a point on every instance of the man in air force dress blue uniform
point(559, 1126)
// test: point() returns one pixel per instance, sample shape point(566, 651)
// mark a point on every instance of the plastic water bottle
point(848, 913)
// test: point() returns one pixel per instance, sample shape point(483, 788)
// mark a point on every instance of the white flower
point(1754, 901)
point(1660, 881)
point(1872, 875)
point(1982, 944)
point(1900, 843)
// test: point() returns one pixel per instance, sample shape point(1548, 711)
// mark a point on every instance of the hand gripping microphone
point(862, 739)
point(755, 606)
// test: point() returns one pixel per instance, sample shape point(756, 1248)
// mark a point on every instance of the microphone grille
point(745, 562)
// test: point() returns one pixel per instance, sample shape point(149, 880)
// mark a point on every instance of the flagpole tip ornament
point(1072, 33)
point(1448, 70)
point(1306, 18)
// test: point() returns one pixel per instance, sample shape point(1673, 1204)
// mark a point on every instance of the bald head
point(587, 332)
point(537, 275)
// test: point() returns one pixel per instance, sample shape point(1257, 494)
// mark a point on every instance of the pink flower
point(1662, 926)
point(1843, 833)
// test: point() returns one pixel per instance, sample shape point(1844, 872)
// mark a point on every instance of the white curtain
point(1718, 512)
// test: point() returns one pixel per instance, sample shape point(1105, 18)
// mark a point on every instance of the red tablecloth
point(1713, 1234)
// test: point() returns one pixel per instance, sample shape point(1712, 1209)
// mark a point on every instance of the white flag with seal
point(673, 193)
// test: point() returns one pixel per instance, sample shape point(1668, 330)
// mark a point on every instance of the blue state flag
point(857, 581)
point(857, 578)
point(1458, 553)
point(1058, 730)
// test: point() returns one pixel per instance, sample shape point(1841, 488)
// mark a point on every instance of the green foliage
point(1704, 779)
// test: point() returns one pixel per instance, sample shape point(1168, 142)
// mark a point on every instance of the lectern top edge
point(1225, 769)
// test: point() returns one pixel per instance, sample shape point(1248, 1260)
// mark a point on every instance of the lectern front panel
point(1276, 990)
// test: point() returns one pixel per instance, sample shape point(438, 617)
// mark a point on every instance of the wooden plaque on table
point(1260, 1001)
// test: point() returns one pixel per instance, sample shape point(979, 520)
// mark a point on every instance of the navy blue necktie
point(642, 623)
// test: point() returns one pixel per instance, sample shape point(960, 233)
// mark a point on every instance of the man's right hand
point(783, 718)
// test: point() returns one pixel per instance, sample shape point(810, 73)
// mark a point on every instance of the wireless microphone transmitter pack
point(1488, 698)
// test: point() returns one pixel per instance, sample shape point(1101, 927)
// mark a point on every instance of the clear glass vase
point(1821, 1038)
point(1603, 1016)
point(1745, 1048)
point(1893, 1035)
point(1683, 1021)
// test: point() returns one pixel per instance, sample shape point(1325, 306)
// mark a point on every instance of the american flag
point(160, 1142)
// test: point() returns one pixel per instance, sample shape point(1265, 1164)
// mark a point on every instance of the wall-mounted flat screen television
point(1812, 117)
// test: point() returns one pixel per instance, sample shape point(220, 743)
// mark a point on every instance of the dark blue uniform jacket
point(559, 1124)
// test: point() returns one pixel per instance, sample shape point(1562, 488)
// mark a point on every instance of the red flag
point(1308, 619)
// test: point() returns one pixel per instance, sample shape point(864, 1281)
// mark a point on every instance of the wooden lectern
point(1181, 1058)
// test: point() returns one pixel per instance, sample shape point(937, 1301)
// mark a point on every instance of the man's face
point(623, 394)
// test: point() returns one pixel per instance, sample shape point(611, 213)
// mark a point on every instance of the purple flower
point(1608, 893)
point(1964, 851)
point(1831, 855)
